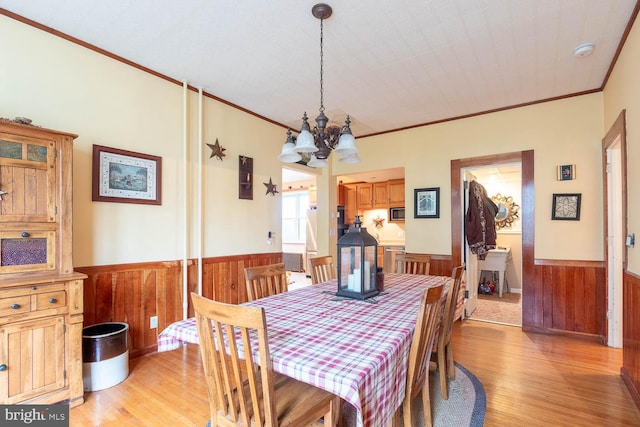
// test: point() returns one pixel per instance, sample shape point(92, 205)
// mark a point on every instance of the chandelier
point(316, 145)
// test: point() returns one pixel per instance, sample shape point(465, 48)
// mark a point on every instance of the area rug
point(466, 405)
point(506, 310)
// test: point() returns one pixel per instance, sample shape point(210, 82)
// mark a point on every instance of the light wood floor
point(529, 379)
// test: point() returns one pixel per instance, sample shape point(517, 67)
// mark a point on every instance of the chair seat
point(297, 403)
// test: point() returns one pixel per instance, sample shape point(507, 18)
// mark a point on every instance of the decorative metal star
point(217, 150)
point(378, 221)
point(271, 188)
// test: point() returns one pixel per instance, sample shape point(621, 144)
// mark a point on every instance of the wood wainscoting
point(567, 298)
point(133, 293)
point(631, 334)
point(441, 265)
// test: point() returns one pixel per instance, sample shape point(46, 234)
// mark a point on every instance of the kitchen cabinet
point(41, 297)
point(350, 194)
point(373, 195)
point(396, 193)
point(380, 198)
point(365, 196)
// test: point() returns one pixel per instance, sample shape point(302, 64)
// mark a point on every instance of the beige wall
point(623, 92)
point(568, 131)
point(63, 86)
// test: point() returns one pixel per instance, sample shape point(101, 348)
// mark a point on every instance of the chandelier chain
point(321, 65)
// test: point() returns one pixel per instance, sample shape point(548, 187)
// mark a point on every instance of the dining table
point(356, 349)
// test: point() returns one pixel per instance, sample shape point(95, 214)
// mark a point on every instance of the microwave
point(396, 214)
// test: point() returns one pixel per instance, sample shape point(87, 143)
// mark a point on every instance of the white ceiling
point(389, 64)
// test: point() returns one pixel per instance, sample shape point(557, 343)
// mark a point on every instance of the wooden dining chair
point(322, 269)
point(260, 397)
point(442, 353)
point(265, 280)
point(412, 263)
point(422, 342)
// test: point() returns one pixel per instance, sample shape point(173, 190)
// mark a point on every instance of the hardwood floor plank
point(529, 379)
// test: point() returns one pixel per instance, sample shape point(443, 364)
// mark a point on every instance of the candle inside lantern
point(350, 282)
point(367, 276)
point(357, 279)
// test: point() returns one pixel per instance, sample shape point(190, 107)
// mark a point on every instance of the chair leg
point(426, 402)
point(332, 417)
point(407, 410)
point(451, 369)
point(442, 373)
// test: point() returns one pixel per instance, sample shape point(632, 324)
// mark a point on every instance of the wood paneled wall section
point(631, 334)
point(441, 265)
point(132, 293)
point(569, 298)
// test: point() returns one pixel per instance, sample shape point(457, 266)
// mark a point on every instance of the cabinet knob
point(3, 367)
point(15, 306)
point(25, 234)
point(33, 288)
point(53, 300)
point(233, 286)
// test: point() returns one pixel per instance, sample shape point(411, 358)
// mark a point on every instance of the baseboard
point(635, 395)
point(600, 339)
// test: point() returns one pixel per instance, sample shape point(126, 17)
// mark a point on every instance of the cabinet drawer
point(48, 300)
point(22, 251)
point(15, 305)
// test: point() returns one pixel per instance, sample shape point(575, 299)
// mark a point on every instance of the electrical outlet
point(153, 322)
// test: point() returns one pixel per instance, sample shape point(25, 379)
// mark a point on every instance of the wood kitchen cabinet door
point(396, 193)
point(350, 203)
point(365, 196)
point(32, 359)
point(380, 198)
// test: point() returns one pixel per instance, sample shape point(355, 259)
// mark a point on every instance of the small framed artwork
point(566, 207)
point(426, 202)
point(126, 177)
point(245, 178)
point(566, 172)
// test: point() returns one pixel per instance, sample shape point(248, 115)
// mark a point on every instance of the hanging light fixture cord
point(322, 65)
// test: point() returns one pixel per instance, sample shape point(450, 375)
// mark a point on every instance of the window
point(294, 222)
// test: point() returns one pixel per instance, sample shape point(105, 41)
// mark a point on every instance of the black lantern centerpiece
point(357, 263)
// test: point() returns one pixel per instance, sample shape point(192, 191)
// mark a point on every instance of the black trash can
point(105, 355)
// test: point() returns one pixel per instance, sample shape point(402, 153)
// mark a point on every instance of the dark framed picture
point(426, 202)
point(126, 177)
point(566, 207)
point(566, 172)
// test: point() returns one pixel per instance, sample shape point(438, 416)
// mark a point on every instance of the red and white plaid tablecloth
point(354, 349)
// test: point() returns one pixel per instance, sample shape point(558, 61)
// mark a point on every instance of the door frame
point(617, 132)
point(526, 159)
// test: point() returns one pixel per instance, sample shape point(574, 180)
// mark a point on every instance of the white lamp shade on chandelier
point(316, 145)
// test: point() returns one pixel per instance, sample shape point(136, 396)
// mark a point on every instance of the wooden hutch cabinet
point(41, 306)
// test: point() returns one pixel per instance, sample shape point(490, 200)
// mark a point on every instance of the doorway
point(615, 200)
point(499, 299)
point(526, 160)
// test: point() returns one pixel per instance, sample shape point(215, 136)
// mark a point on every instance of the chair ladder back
point(452, 300)
point(413, 263)
point(239, 390)
point(423, 336)
point(322, 269)
point(265, 280)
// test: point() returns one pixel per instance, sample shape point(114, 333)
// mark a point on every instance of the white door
point(471, 260)
point(615, 242)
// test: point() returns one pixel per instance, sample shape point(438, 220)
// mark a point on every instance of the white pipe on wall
point(200, 216)
point(185, 194)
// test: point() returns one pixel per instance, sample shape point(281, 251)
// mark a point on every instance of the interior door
point(471, 260)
